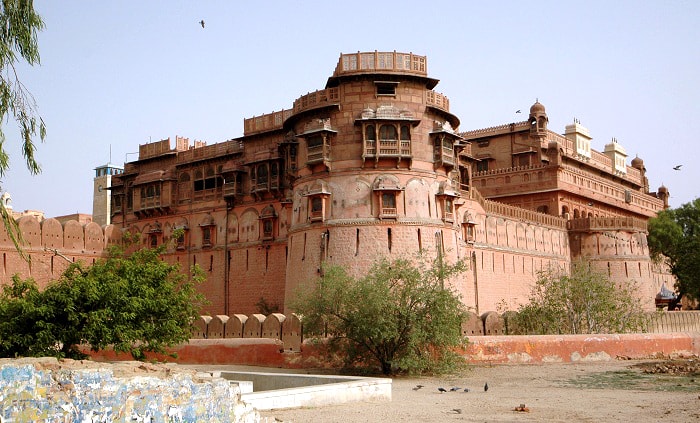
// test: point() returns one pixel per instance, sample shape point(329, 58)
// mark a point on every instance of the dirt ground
point(617, 391)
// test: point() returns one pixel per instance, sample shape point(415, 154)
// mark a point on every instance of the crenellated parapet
point(51, 247)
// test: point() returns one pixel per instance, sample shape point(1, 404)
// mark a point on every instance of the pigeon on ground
point(417, 387)
point(466, 389)
point(486, 386)
point(455, 389)
point(442, 389)
point(457, 410)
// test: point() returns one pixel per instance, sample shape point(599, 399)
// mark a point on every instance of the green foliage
point(399, 315)
point(266, 308)
point(586, 301)
point(674, 236)
point(133, 303)
point(19, 24)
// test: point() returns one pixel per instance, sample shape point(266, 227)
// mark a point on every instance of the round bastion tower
point(377, 153)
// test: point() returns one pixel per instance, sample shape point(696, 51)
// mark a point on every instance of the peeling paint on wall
point(30, 392)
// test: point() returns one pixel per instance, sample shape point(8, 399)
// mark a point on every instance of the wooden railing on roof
point(607, 224)
point(210, 151)
point(494, 207)
point(437, 100)
point(267, 122)
point(379, 61)
point(493, 130)
point(509, 170)
point(316, 99)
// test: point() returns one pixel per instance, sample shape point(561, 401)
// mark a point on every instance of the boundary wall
point(51, 247)
point(677, 334)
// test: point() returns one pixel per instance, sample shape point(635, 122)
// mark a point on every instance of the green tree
point(134, 303)
point(584, 301)
point(674, 237)
point(399, 315)
point(19, 25)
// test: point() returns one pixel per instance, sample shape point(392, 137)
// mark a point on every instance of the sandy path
point(551, 392)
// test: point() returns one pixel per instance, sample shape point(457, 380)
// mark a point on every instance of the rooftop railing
point(393, 62)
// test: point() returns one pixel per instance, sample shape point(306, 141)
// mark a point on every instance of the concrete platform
point(272, 391)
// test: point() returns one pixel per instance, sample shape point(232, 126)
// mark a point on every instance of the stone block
point(217, 326)
point(472, 326)
point(272, 326)
point(493, 323)
point(201, 327)
point(234, 326)
point(292, 333)
point(253, 326)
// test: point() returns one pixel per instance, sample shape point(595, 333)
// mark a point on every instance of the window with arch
point(387, 132)
point(261, 176)
point(405, 133)
point(207, 236)
point(184, 187)
point(317, 207)
point(150, 196)
point(198, 180)
point(370, 133)
point(387, 204)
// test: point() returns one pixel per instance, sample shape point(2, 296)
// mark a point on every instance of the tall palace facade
point(374, 165)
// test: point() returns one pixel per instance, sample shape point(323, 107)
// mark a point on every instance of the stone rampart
point(286, 331)
point(51, 247)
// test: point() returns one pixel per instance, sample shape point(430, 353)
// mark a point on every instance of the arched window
point(405, 133)
point(387, 132)
point(316, 204)
point(262, 174)
point(198, 180)
point(370, 133)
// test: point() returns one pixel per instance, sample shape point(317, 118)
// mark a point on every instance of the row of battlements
point(51, 233)
point(286, 328)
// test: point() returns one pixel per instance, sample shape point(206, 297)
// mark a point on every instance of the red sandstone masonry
point(489, 349)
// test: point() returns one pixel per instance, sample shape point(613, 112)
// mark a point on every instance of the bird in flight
point(677, 167)
point(202, 23)
point(417, 387)
point(517, 111)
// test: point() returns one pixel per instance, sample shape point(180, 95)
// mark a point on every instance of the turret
point(538, 120)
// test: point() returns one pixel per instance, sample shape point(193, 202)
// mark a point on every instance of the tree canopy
point(674, 237)
point(400, 315)
point(583, 301)
point(132, 303)
point(19, 25)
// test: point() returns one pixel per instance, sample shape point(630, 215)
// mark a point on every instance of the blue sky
point(114, 75)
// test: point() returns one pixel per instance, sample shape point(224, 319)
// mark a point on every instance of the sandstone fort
point(372, 165)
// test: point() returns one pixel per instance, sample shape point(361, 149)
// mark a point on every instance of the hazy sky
point(114, 75)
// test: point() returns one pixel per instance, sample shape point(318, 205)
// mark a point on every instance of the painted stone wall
point(77, 391)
